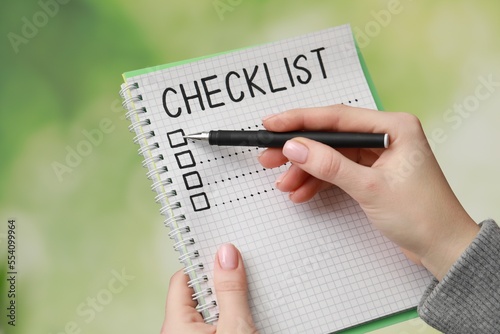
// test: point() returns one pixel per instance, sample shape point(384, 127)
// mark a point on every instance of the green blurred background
point(80, 227)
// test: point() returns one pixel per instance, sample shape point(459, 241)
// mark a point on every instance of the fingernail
point(228, 257)
point(295, 151)
point(279, 179)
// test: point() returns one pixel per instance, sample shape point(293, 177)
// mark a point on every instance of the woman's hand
point(231, 287)
point(401, 189)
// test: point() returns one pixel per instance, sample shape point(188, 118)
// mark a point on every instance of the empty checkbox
point(176, 138)
point(200, 202)
point(192, 180)
point(185, 159)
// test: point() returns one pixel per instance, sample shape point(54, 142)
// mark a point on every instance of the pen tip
point(196, 136)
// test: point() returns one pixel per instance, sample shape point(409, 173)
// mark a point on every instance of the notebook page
point(313, 267)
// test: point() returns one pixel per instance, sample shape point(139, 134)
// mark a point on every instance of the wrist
point(447, 247)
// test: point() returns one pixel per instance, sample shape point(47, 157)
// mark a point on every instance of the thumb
point(231, 288)
point(327, 164)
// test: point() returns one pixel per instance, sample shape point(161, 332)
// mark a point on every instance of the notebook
point(316, 267)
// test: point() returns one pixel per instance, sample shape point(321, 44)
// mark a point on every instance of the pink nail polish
point(295, 151)
point(228, 257)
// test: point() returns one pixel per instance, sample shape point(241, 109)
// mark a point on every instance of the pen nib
point(197, 136)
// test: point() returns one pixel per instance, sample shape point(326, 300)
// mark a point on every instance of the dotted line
point(245, 197)
point(238, 176)
point(250, 128)
point(229, 155)
point(356, 100)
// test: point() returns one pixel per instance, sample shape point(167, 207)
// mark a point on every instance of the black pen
point(263, 138)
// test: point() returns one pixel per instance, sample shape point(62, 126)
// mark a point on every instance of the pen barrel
point(347, 139)
point(241, 138)
point(262, 138)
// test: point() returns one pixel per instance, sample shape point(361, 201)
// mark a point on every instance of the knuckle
point(409, 121)
point(226, 286)
point(372, 185)
point(329, 167)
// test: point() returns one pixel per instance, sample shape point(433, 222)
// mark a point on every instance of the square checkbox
point(200, 202)
point(192, 180)
point(185, 159)
point(176, 138)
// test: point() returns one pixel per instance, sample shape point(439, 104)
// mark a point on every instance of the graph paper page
point(315, 267)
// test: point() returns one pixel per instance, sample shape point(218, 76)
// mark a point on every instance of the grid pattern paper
point(315, 267)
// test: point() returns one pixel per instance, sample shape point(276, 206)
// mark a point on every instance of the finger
point(365, 157)
point(230, 283)
point(301, 185)
point(308, 190)
point(272, 157)
point(292, 179)
point(329, 165)
point(180, 307)
point(338, 117)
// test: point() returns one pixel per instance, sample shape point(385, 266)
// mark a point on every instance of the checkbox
point(185, 159)
point(200, 202)
point(176, 138)
point(192, 180)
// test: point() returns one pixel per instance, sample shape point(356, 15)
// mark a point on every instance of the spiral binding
point(179, 232)
point(197, 280)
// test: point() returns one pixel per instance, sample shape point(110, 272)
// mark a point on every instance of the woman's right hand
point(401, 189)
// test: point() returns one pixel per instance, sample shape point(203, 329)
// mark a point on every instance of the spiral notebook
point(316, 267)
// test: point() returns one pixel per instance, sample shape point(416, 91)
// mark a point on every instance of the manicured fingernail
point(228, 257)
point(279, 179)
point(295, 151)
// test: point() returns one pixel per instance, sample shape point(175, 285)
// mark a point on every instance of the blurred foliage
point(74, 230)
